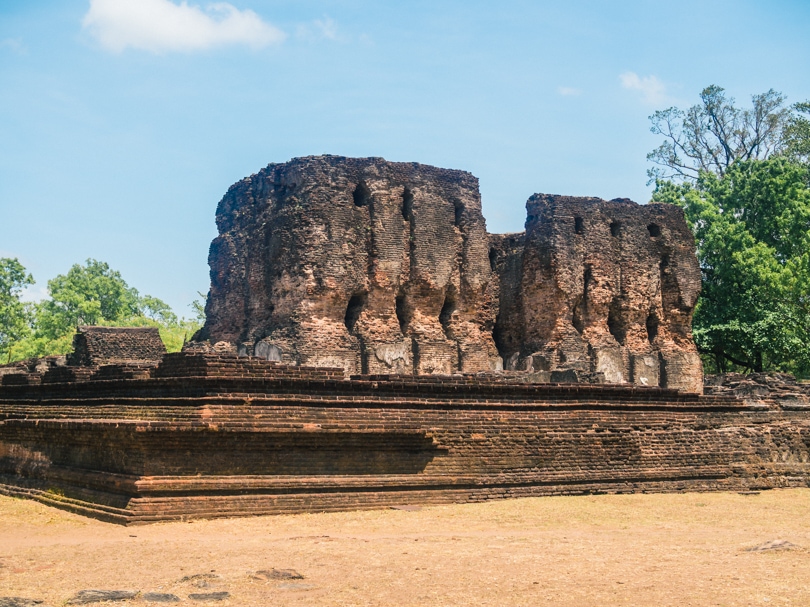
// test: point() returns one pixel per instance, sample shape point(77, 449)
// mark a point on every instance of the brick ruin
point(209, 435)
point(383, 267)
point(368, 265)
point(600, 287)
point(98, 353)
point(358, 323)
point(97, 346)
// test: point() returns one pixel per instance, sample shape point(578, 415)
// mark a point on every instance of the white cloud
point(568, 91)
point(163, 26)
point(652, 90)
point(327, 27)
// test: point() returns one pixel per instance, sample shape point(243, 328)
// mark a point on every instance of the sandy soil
point(683, 549)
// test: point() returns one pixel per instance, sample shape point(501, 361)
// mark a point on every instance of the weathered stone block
point(644, 369)
point(678, 371)
point(610, 361)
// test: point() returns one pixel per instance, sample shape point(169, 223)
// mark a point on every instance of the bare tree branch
point(713, 134)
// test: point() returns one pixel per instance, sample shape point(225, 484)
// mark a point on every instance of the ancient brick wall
point(93, 346)
point(598, 286)
point(381, 267)
point(363, 264)
point(204, 440)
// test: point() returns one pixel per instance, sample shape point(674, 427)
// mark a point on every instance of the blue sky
point(125, 121)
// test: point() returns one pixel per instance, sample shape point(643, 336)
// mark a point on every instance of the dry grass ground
point(681, 549)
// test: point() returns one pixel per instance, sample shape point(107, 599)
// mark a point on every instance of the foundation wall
point(185, 447)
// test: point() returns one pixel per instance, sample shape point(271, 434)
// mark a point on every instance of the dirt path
point(684, 549)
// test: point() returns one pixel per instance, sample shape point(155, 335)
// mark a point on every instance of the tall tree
point(752, 228)
point(87, 295)
point(15, 316)
point(797, 134)
point(713, 134)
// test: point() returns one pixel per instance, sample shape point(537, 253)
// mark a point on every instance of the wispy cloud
point(15, 45)
point(325, 28)
point(653, 91)
point(568, 91)
point(161, 26)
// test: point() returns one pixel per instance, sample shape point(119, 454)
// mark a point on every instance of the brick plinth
point(287, 439)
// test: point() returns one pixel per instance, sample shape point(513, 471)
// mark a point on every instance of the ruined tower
point(385, 267)
point(598, 286)
point(359, 263)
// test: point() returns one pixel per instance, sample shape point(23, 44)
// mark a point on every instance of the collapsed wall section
point(600, 287)
point(363, 264)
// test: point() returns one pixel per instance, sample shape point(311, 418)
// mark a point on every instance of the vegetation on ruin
point(89, 294)
point(742, 178)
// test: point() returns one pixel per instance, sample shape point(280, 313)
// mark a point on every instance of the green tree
point(714, 134)
point(15, 315)
point(198, 307)
point(797, 134)
point(91, 294)
point(87, 295)
point(752, 228)
point(157, 310)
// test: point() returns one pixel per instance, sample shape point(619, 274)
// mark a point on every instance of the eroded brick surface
point(363, 264)
point(110, 345)
point(597, 286)
point(381, 267)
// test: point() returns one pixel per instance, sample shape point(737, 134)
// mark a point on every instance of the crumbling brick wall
point(382, 267)
point(217, 435)
point(363, 264)
point(598, 286)
point(94, 346)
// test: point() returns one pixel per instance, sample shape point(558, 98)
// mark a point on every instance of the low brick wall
point(279, 439)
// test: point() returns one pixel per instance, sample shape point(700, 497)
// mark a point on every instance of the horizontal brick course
point(281, 439)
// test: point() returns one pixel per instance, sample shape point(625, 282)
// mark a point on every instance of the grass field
point(676, 549)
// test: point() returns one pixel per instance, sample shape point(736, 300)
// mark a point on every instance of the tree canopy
point(15, 316)
point(797, 134)
point(89, 294)
point(752, 227)
point(714, 134)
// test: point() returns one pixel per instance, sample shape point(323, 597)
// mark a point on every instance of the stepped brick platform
point(205, 435)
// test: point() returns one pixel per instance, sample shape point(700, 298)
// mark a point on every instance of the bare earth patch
point(676, 549)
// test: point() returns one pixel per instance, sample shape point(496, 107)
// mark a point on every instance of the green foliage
point(714, 134)
point(15, 315)
point(797, 134)
point(154, 308)
point(752, 228)
point(198, 307)
point(89, 294)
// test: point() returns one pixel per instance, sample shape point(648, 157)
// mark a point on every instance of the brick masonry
point(208, 436)
point(357, 327)
point(600, 287)
point(96, 346)
point(386, 267)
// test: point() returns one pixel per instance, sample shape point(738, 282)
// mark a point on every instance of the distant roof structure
point(113, 345)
